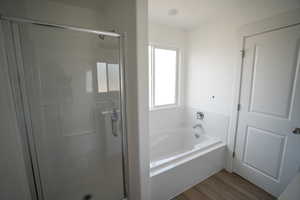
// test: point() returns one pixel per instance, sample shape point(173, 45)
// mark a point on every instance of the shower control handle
point(296, 131)
point(114, 122)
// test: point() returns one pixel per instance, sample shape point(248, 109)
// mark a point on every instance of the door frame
point(281, 21)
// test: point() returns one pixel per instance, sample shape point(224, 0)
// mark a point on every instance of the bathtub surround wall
point(167, 119)
point(213, 125)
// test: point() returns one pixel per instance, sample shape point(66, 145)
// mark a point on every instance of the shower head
point(102, 37)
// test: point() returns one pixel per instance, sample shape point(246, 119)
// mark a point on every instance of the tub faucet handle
point(199, 115)
point(197, 126)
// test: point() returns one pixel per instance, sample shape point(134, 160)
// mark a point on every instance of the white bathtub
point(179, 160)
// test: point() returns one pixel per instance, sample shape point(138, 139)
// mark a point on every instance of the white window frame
point(108, 87)
point(151, 69)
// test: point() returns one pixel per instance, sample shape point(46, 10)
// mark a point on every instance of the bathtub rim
point(184, 157)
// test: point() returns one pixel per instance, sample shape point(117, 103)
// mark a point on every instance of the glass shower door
point(72, 85)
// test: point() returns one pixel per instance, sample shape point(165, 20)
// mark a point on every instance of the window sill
point(165, 108)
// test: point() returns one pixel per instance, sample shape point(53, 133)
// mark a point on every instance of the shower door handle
point(114, 122)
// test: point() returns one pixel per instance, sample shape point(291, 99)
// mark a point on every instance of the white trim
point(165, 107)
point(273, 23)
point(177, 103)
point(164, 46)
point(139, 150)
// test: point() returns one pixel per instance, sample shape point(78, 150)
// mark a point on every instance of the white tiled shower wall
point(214, 124)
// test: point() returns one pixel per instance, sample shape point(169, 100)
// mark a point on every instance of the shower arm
point(59, 26)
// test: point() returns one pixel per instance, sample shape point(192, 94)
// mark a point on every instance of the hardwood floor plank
point(209, 191)
point(244, 186)
point(225, 190)
point(193, 194)
point(225, 186)
point(180, 197)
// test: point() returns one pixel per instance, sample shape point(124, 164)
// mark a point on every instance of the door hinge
point(243, 53)
point(233, 154)
point(239, 107)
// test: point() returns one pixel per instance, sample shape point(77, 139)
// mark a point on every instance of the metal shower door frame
point(16, 77)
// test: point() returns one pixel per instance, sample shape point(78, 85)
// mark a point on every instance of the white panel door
point(267, 150)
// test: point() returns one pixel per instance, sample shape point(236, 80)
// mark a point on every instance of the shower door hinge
point(239, 107)
point(243, 53)
point(233, 154)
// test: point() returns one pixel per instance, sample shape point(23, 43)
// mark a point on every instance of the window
point(107, 77)
point(163, 64)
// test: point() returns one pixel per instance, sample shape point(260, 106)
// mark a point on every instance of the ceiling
point(192, 13)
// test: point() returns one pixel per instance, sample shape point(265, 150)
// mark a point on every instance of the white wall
point(212, 51)
point(176, 38)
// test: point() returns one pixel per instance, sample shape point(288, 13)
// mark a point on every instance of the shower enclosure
point(68, 88)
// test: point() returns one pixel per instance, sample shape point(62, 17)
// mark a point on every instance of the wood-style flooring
point(225, 186)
